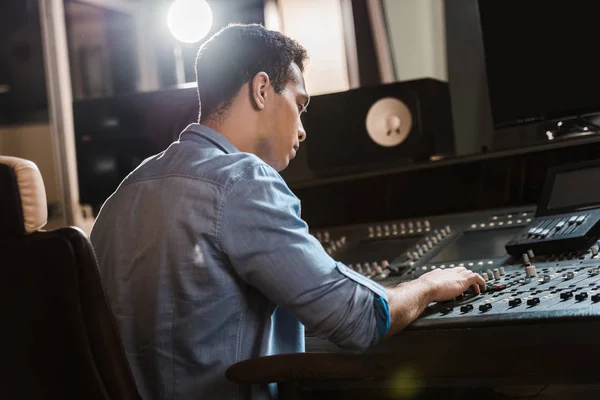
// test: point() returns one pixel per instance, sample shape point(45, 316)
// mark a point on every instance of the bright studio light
point(189, 20)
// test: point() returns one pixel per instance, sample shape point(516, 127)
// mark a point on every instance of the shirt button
point(342, 268)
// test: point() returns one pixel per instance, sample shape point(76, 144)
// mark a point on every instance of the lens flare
point(189, 20)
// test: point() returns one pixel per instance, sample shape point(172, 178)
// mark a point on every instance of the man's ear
point(259, 86)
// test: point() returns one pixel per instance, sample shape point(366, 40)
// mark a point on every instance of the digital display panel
point(576, 188)
point(476, 245)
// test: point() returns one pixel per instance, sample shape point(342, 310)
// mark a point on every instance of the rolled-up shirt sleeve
point(270, 247)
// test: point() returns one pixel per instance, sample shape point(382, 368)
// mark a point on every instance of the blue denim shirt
point(206, 262)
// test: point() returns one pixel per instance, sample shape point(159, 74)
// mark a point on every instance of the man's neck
point(240, 135)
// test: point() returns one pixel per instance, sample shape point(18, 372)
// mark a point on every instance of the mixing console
point(536, 322)
point(572, 290)
point(538, 318)
point(525, 288)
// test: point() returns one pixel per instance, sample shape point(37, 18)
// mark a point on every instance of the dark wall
point(21, 63)
point(476, 183)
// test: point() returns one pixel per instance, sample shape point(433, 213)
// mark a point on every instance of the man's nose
point(301, 132)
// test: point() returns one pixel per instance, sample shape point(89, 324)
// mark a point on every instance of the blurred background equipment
point(115, 134)
point(23, 97)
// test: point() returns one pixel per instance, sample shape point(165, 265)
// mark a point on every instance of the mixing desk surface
point(536, 322)
point(530, 287)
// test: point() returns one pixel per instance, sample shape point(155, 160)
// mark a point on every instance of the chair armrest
point(305, 366)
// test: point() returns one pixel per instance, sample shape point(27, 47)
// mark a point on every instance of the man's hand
point(446, 284)
point(409, 299)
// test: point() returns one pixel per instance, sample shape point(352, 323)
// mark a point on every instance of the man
point(202, 251)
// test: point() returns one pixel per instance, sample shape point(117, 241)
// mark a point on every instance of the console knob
point(566, 295)
point(569, 275)
point(533, 302)
point(530, 271)
point(514, 302)
point(502, 273)
point(581, 296)
point(466, 308)
point(381, 273)
point(496, 273)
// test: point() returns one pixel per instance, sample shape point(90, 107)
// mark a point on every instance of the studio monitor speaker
point(377, 127)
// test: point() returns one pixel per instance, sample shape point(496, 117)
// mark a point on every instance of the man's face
point(285, 130)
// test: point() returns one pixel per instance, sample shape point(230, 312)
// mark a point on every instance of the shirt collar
point(194, 130)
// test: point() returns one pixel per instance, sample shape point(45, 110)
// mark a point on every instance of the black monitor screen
point(538, 59)
point(574, 189)
point(477, 245)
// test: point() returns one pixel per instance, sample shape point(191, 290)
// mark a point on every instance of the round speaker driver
point(389, 122)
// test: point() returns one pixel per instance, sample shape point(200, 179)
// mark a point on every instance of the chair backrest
point(58, 338)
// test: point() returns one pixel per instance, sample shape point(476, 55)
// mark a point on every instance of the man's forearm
point(406, 302)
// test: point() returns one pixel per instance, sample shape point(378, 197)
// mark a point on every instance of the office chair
point(58, 338)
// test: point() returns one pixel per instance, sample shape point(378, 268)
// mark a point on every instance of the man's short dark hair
point(234, 55)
